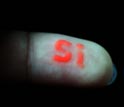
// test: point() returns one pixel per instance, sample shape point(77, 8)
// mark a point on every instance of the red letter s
point(67, 55)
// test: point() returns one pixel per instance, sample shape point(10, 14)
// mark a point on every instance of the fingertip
point(114, 75)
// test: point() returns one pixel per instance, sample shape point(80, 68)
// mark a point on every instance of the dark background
point(111, 38)
point(101, 22)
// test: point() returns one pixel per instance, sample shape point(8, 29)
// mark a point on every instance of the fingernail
point(114, 75)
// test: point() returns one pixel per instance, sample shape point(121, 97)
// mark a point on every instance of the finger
point(114, 75)
point(57, 59)
point(13, 53)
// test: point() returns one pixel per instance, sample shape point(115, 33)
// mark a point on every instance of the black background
point(101, 22)
point(110, 36)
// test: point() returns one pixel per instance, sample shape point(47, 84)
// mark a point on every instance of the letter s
point(67, 55)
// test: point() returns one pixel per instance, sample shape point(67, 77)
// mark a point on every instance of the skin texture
point(98, 64)
point(40, 58)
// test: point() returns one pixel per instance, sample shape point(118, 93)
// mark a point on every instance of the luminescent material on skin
point(80, 59)
point(68, 60)
point(58, 46)
point(68, 55)
point(51, 58)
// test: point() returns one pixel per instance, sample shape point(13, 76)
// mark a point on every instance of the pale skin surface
point(41, 68)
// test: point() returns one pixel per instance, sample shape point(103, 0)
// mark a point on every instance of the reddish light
point(80, 55)
point(67, 55)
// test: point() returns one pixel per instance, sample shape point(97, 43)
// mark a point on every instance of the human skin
point(31, 56)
